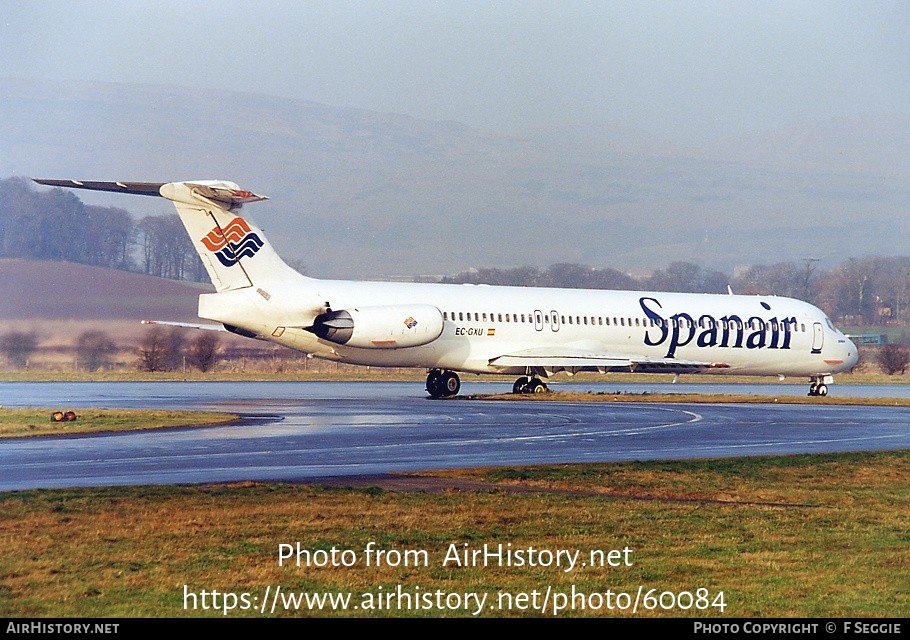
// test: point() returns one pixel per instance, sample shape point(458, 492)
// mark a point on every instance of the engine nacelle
point(387, 327)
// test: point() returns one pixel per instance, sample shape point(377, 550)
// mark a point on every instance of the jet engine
point(382, 327)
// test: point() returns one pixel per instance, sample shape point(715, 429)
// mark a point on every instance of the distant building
point(869, 339)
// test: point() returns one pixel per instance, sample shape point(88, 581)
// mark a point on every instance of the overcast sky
point(684, 72)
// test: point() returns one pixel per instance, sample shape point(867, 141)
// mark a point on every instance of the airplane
point(531, 333)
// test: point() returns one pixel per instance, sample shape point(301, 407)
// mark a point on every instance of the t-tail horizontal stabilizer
point(134, 188)
point(234, 252)
point(225, 193)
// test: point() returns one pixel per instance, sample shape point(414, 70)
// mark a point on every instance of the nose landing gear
point(818, 387)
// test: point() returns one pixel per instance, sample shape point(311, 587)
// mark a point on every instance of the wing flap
point(518, 360)
point(568, 359)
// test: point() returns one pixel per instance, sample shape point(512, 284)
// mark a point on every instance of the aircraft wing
point(572, 360)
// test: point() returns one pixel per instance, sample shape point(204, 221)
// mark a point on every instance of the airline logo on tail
point(233, 242)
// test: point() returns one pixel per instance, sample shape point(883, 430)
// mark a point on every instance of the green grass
point(15, 423)
point(806, 536)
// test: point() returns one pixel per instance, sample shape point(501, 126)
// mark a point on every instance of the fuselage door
point(538, 320)
point(554, 325)
point(818, 337)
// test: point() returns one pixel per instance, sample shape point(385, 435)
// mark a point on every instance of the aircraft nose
point(851, 355)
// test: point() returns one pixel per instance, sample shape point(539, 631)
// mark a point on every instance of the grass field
point(799, 536)
point(17, 423)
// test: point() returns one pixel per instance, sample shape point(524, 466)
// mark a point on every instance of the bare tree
point(18, 346)
point(94, 350)
point(175, 351)
point(151, 350)
point(161, 350)
point(167, 251)
point(894, 358)
point(203, 351)
point(689, 278)
point(112, 237)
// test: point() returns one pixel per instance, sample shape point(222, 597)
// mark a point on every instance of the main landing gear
point(443, 384)
point(529, 385)
point(818, 387)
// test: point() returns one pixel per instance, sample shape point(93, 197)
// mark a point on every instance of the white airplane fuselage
point(482, 322)
point(529, 332)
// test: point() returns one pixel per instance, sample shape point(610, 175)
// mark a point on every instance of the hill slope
point(363, 194)
point(35, 290)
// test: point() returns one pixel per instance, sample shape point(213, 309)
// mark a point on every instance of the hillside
point(35, 290)
point(363, 194)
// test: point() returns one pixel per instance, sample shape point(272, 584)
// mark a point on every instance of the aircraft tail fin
point(234, 252)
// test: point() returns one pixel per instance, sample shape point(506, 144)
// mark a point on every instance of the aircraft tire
point(434, 383)
point(536, 386)
point(450, 383)
point(520, 385)
point(821, 390)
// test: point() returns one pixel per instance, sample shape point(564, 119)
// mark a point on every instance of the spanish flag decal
point(491, 332)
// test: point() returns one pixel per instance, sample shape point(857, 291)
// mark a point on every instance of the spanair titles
point(704, 330)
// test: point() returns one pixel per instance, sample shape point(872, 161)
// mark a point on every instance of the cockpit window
point(832, 327)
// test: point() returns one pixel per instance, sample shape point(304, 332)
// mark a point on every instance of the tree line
point(158, 350)
point(860, 291)
point(161, 350)
point(57, 225)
